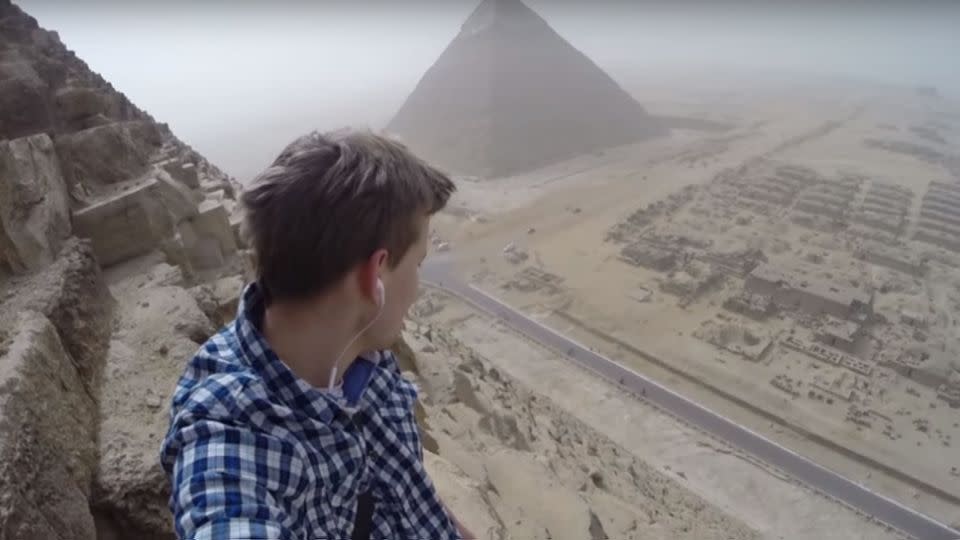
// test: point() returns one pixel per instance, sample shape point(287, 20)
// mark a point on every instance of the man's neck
point(309, 340)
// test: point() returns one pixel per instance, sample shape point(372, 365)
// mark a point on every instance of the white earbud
point(381, 294)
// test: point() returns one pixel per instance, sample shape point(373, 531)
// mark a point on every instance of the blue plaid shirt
point(254, 452)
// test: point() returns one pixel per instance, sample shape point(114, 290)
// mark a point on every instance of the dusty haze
point(237, 80)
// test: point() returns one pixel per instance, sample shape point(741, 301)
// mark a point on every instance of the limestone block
point(47, 433)
point(208, 237)
point(205, 253)
point(135, 220)
point(75, 103)
point(214, 219)
point(107, 154)
point(185, 173)
point(236, 223)
point(124, 225)
point(73, 295)
point(25, 108)
point(34, 205)
point(175, 196)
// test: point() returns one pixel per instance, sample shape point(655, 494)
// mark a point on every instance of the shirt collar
point(278, 377)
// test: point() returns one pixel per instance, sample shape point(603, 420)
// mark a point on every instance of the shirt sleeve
point(232, 483)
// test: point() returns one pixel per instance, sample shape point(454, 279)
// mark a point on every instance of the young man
point(293, 422)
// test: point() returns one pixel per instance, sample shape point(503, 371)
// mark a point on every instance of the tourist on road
point(294, 421)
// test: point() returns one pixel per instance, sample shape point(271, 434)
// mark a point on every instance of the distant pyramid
point(509, 95)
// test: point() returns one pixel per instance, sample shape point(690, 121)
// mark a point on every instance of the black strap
point(363, 523)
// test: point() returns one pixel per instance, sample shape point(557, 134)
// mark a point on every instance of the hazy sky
point(238, 79)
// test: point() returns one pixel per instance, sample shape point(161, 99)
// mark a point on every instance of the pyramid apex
point(499, 12)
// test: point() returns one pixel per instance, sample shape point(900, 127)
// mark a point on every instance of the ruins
point(823, 298)
point(790, 289)
point(479, 110)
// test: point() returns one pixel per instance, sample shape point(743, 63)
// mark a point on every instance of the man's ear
point(373, 269)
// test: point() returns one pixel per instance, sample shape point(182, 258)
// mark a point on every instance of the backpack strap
point(363, 524)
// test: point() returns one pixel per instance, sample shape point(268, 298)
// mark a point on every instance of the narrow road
point(888, 511)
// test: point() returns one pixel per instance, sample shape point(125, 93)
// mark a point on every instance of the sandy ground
point(537, 471)
point(764, 499)
point(560, 220)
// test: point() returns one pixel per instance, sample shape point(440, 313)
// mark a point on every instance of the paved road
point(820, 478)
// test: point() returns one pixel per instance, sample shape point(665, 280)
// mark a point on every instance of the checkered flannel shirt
point(254, 452)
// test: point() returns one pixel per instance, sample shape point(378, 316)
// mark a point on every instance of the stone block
point(48, 425)
point(206, 254)
point(71, 293)
point(77, 103)
point(34, 204)
point(107, 154)
point(236, 223)
point(124, 225)
point(185, 173)
point(175, 196)
point(189, 175)
point(25, 107)
point(137, 219)
point(215, 239)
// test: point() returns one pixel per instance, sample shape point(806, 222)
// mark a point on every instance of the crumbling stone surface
point(407, 362)
point(71, 293)
point(159, 329)
point(48, 423)
point(34, 205)
point(76, 104)
point(219, 300)
point(24, 100)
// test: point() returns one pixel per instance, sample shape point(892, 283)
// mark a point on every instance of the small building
point(890, 192)
point(819, 207)
point(901, 260)
point(884, 221)
point(950, 198)
point(949, 242)
point(650, 256)
point(755, 306)
point(940, 226)
point(810, 295)
point(952, 187)
point(844, 335)
point(928, 367)
point(913, 319)
point(884, 206)
point(950, 394)
point(933, 214)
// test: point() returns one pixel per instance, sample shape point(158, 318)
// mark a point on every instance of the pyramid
point(509, 95)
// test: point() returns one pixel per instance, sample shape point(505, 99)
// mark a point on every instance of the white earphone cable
point(336, 365)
